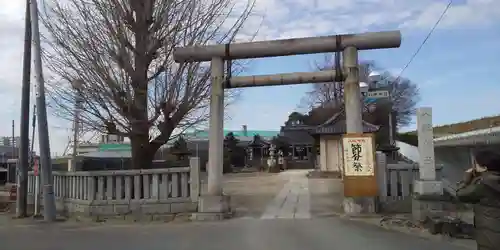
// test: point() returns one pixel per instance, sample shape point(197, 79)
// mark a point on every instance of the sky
point(454, 70)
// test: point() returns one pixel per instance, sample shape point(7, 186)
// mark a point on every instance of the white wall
point(331, 153)
point(409, 151)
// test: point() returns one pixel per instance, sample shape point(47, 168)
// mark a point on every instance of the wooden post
point(360, 181)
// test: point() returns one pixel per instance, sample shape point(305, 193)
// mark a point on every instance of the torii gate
point(214, 202)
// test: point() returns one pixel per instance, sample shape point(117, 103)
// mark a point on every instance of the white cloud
point(297, 18)
point(471, 14)
point(282, 19)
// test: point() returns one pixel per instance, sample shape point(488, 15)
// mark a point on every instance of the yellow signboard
point(359, 155)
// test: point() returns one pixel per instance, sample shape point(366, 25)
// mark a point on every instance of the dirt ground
point(250, 192)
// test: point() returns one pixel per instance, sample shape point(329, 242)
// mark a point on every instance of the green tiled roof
point(237, 133)
point(115, 147)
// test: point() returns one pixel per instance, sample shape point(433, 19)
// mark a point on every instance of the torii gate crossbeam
point(287, 47)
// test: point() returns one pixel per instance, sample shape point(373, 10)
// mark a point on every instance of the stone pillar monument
point(428, 191)
point(271, 161)
point(280, 157)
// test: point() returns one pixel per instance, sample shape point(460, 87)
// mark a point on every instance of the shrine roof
point(298, 136)
point(239, 134)
point(336, 125)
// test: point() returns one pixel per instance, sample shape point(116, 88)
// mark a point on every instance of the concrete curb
point(419, 232)
point(8, 220)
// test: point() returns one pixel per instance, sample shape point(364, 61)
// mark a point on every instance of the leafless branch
point(404, 93)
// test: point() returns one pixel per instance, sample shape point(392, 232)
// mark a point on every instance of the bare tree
point(121, 53)
point(404, 93)
point(323, 94)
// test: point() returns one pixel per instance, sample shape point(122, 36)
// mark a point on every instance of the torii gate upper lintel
point(287, 47)
point(349, 44)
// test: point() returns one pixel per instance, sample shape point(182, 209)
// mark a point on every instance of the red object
point(13, 193)
point(35, 167)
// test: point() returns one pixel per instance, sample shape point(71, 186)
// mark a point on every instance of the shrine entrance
point(221, 56)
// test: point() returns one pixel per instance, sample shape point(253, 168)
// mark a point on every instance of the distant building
point(197, 141)
point(7, 152)
point(112, 139)
point(84, 148)
point(243, 135)
point(8, 158)
point(108, 143)
point(9, 141)
point(9, 148)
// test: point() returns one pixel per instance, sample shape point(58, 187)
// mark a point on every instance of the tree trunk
point(142, 153)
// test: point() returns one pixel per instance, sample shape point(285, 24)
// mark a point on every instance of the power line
point(424, 41)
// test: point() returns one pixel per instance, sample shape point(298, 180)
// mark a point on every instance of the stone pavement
point(293, 201)
point(284, 195)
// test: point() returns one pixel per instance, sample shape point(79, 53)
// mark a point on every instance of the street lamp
point(363, 88)
point(376, 77)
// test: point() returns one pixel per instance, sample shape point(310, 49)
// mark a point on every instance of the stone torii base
point(213, 208)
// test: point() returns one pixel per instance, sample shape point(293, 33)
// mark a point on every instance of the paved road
point(281, 211)
point(241, 234)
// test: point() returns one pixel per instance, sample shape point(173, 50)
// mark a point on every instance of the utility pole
point(33, 127)
point(391, 127)
point(77, 84)
point(49, 212)
point(13, 145)
point(22, 185)
point(391, 116)
point(36, 166)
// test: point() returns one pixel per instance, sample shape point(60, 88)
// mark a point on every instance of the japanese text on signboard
point(358, 156)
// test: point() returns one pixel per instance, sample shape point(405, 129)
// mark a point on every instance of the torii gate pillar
point(216, 132)
point(354, 125)
point(214, 205)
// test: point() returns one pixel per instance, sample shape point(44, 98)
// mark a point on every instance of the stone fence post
point(381, 172)
point(194, 165)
